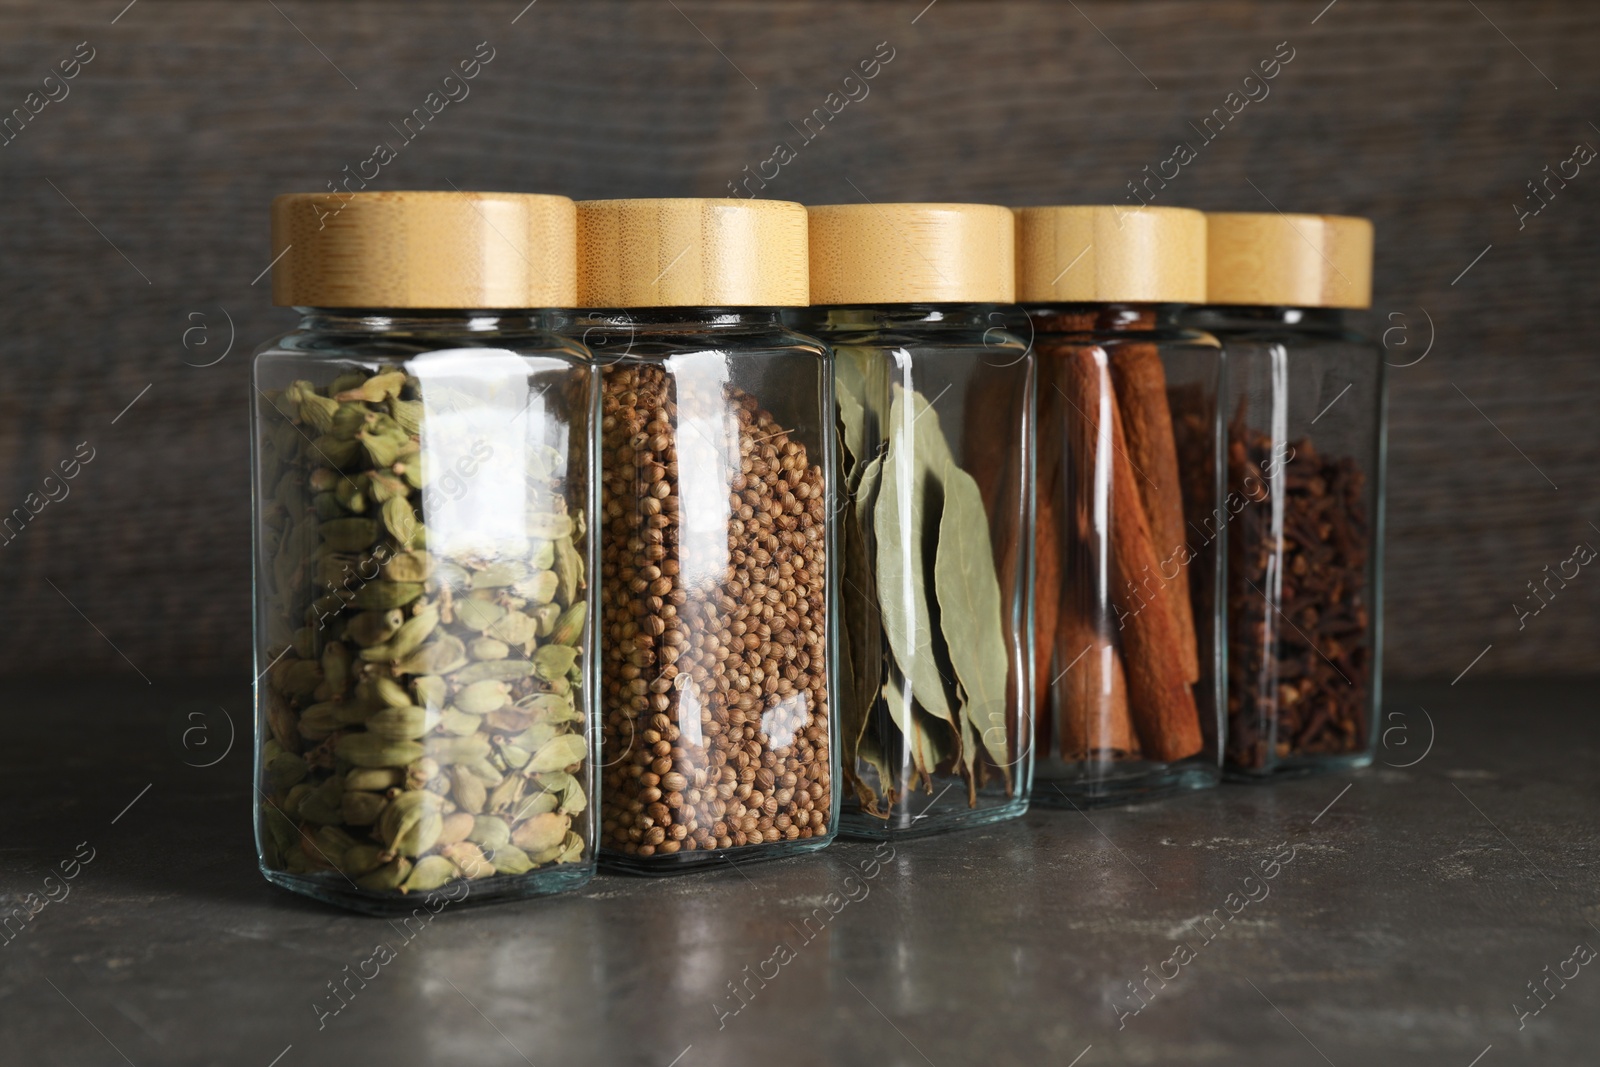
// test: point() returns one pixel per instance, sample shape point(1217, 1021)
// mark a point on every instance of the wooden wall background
point(1422, 114)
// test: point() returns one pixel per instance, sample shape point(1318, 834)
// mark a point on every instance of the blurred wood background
point(1425, 115)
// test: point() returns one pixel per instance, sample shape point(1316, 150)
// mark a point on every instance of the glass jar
point(716, 730)
point(1304, 415)
point(935, 408)
point(1127, 621)
point(423, 469)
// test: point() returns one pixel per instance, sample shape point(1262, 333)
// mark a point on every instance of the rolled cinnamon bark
point(1161, 702)
point(1141, 385)
point(1094, 694)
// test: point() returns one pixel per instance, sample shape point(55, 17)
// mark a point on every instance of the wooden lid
point(424, 250)
point(1276, 260)
point(691, 253)
point(1109, 254)
point(912, 254)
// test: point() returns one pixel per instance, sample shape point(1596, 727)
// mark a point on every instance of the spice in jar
point(716, 731)
point(424, 608)
point(1126, 617)
point(1305, 432)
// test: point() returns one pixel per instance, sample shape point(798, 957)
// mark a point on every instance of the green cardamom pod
point(305, 643)
point(381, 594)
point(571, 849)
point(402, 724)
point(458, 723)
point(372, 779)
point(467, 790)
point(323, 479)
point(558, 753)
point(376, 389)
point(509, 859)
point(569, 628)
point(351, 713)
point(487, 648)
point(412, 822)
point(335, 451)
point(477, 614)
point(348, 535)
point(515, 756)
point(541, 588)
point(548, 616)
point(573, 799)
point(431, 691)
point(543, 555)
point(413, 470)
point(322, 804)
point(504, 796)
point(554, 661)
point(374, 627)
point(348, 380)
point(361, 809)
point(319, 720)
point(538, 804)
point(430, 873)
point(390, 876)
point(326, 507)
point(449, 750)
point(541, 832)
point(508, 670)
point(371, 750)
point(514, 628)
point(489, 831)
point(347, 422)
point(293, 799)
point(568, 570)
point(384, 448)
point(361, 859)
point(383, 486)
point(317, 411)
point(408, 413)
point(335, 670)
point(280, 829)
point(409, 567)
point(390, 692)
point(407, 639)
point(456, 826)
point(480, 698)
point(401, 520)
point(285, 770)
point(350, 496)
point(551, 707)
point(438, 657)
point(469, 858)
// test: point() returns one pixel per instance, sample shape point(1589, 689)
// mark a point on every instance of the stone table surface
point(1410, 910)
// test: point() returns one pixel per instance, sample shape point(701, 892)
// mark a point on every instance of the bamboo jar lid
point(424, 250)
point(691, 253)
point(1106, 254)
point(912, 254)
point(1275, 260)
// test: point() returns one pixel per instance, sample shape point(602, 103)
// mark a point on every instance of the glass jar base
point(1136, 781)
point(1307, 766)
point(699, 859)
point(863, 827)
point(331, 888)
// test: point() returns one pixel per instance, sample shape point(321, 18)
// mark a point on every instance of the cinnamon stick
point(1161, 702)
point(1141, 384)
point(1094, 694)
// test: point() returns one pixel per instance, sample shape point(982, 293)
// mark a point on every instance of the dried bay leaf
point(971, 614)
point(901, 521)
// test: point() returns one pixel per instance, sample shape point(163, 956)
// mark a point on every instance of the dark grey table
point(1418, 906)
